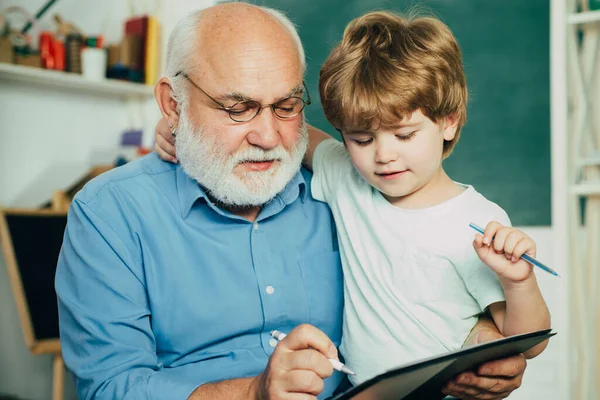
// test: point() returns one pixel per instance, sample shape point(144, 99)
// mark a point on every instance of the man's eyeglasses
point(244, 111)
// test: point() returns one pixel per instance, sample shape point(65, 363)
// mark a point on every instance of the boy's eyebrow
point(359, 131)
point(239, 96)
point(396, 126)
point(406, 125)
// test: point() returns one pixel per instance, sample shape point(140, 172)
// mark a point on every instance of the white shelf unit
point(66, 81)
point(584, 17)
point(575, 123)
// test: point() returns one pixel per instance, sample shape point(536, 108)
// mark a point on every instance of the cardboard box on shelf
point(6, 51)
point(61, 199)
point(28, 60)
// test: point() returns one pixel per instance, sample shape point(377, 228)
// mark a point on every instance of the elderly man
point(172, 276)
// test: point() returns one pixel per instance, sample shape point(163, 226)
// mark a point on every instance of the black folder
point(424, 379)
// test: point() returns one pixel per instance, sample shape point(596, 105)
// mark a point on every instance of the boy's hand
point(501, 248)
point(164, 142)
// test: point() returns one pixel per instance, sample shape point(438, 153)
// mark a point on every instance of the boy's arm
point(315, 136)
point(525, 309)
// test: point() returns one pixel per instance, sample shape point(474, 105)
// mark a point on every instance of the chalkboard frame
point(36, 346)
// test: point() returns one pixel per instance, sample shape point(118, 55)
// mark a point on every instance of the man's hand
point(164, 141)
point(297, 367)
point(492, 380)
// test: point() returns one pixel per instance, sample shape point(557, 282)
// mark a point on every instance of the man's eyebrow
point(233, 96)
point(239, 96)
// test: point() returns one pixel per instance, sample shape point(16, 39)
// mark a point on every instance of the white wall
point(47, 136)
point(546, 375)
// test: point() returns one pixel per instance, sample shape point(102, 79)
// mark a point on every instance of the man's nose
point(265, 130)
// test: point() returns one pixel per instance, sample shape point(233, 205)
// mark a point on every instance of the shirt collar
point(189, 191)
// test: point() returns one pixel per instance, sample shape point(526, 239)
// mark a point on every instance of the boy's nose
point(384, 154)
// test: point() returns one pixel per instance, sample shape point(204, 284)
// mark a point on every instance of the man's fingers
point(486, 336)
point(312, 360)
point(308, 337)
point(468, 385)
point(304, 381)
point(470, 392)
point(507, 367)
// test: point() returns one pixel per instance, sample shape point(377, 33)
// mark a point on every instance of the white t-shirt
point(413, 284)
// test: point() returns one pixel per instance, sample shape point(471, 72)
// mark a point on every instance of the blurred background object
point(63, 119)
point(60, 47)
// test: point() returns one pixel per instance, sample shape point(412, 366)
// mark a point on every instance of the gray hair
point(183, 40)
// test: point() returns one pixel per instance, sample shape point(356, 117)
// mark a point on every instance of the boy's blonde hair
point(388, 66)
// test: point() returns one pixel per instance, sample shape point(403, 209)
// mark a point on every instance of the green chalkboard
point(504, 150)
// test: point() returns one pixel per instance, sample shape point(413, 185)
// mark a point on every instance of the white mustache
point(254, 154)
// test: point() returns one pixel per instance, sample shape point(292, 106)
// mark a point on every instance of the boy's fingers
point(511, 241)
point(478, 241)
point(500, 240)
point(164, 156)
point(490, 231)
point(164, 130)
point(165, 145)
point(524, 246)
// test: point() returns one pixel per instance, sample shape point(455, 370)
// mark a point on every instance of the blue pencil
point(524, 256)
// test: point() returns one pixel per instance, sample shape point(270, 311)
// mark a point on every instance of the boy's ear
point(449, 127)
point(168, 107)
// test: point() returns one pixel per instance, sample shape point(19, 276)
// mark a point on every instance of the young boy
point(414, 287)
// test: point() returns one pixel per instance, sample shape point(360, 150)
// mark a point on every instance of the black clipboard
point(424, 380)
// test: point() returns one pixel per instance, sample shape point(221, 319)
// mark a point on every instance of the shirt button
point(270, 289)
point(256, 226)
point(273, 342)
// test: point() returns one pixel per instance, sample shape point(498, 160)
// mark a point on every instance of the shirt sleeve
point(105, 319)
point(331, 168)
point(481, 281)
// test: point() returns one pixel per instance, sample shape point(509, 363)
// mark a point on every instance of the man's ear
point(449, 127)
point(168, 107)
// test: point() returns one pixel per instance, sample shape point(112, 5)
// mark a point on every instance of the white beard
point(203, 159)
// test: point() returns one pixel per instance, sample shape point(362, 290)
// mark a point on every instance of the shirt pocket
point(419, 277)
point(323, 283)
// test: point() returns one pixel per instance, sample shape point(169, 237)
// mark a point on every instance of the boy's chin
point(394, 193)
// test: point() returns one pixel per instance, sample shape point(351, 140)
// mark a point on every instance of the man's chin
point(251, 195)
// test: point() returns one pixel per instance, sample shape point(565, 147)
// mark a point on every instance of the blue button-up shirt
point(160, 291)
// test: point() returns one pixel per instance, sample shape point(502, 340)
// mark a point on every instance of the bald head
point(232, 39)
point(238, 37)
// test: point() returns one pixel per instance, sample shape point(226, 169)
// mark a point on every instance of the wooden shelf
point(65, 81)
point(584, 17)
